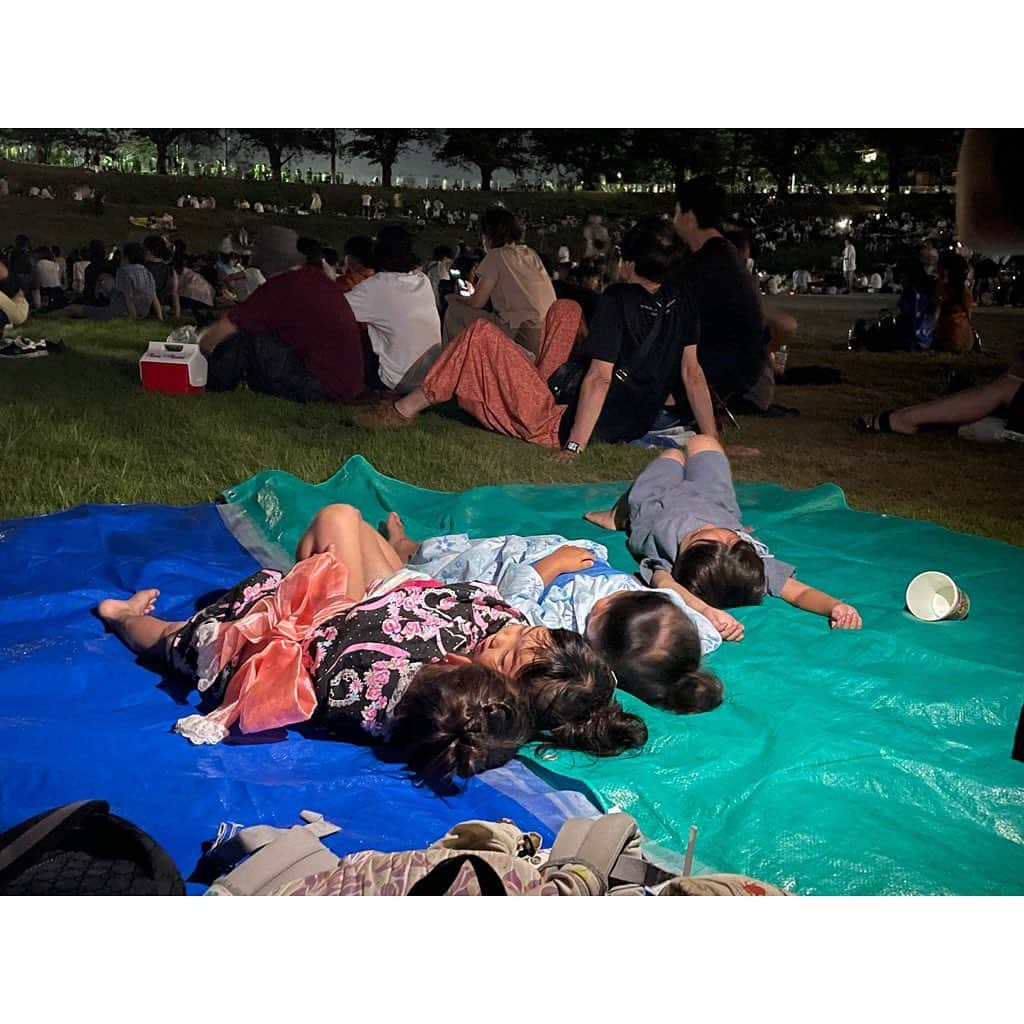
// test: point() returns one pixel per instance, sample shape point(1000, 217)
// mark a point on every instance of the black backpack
point(81, 849)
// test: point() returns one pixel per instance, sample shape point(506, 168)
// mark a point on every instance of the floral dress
point(360, 660)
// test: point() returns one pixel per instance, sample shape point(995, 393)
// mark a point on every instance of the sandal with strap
point(875, 424)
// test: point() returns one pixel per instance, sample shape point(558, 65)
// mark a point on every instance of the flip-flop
point(875, 424)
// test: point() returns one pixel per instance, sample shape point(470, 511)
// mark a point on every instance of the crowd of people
point(468, 649)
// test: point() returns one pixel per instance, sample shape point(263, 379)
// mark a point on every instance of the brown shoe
point(381, 416)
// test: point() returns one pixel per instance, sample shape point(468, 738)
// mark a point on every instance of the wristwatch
point(572, 446)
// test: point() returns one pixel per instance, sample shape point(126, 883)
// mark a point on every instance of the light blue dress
point(507, 563)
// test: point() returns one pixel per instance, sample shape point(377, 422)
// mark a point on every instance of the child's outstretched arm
point(729, 628)
point(840, 615)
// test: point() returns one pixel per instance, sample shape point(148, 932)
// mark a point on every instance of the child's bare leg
point(394, 530)
point(614, 518)
point(132, 624)
point(381, 558)
point(341, 529)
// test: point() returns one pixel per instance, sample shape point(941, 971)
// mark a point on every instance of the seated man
point(294, 337)
point(733, 347)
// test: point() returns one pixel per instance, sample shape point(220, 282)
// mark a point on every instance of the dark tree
point(164, 138)
point(383, 146)
point(586, 152)
point(784, 152)
point(283, 144)
point(913, 149)
point(334, 143)
point(679, 152)
point(488, 149)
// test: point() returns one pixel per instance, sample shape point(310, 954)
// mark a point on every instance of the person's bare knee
point(703, 443)
point(329, 526)
point(673, 455)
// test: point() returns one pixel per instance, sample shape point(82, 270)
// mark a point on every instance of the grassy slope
point(79, 428)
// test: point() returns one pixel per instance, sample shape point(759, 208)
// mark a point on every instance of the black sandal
point(875, 424)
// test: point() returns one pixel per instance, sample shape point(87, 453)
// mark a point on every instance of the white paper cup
point(934, 597)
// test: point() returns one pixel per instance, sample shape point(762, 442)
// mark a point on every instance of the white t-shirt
point(401, 316)
point(849, 259)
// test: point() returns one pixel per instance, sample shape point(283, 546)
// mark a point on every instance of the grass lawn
point(78, 428)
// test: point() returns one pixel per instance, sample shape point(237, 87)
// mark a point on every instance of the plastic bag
point(183, 336)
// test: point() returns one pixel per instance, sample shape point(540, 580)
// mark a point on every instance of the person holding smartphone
point(511, 279)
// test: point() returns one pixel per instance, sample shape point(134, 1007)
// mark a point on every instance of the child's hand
point(728, 627)
point(845, 616)
point(567, 558)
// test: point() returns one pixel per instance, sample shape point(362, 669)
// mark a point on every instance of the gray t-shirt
point(669, 500)
point(138, 280)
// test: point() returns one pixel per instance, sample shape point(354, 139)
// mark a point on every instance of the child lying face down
point(684, 525)
point(651, 639)
point(448, 674)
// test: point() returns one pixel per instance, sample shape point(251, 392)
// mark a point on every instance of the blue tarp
point(80, 718)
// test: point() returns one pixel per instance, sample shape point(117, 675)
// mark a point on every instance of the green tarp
point(870, 762)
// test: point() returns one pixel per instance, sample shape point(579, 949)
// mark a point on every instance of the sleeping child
point(651, 639)
point(683, 524)
point(448, 674)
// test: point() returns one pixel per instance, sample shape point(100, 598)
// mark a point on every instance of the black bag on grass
point(81, 849)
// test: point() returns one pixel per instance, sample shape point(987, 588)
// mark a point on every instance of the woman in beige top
point(512, 278)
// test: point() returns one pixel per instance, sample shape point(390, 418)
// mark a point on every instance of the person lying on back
point(683, 523)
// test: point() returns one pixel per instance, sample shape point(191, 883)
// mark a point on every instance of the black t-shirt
point(621, 325)
point(10, 286)
point(733, 344)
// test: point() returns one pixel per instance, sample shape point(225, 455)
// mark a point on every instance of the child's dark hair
point(455, 721)
point(312, 250)
point(393, 250)
point(572, 689)
point(360, 247)
point(724, 575)
point(654, 649)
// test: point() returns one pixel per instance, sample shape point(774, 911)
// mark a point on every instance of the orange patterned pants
point(494, 381)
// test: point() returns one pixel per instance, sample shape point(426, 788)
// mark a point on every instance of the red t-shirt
point(309, 313)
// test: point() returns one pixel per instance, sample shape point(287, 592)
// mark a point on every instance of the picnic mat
point(870, 762)
point(79, 718)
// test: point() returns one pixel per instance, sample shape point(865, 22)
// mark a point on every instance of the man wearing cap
point(295, 336)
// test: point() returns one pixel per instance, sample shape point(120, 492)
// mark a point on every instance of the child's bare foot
point(114, 612)
point(394, 531)
point(605, 519)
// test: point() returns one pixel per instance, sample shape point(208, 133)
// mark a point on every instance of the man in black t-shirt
point(642, 345)
point(734, 344)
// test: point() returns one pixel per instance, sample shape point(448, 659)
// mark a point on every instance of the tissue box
point(173, 369)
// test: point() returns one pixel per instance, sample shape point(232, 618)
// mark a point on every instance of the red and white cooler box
point(173, 368)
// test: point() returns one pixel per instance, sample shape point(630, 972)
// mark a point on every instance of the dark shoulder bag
point(566, 381)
